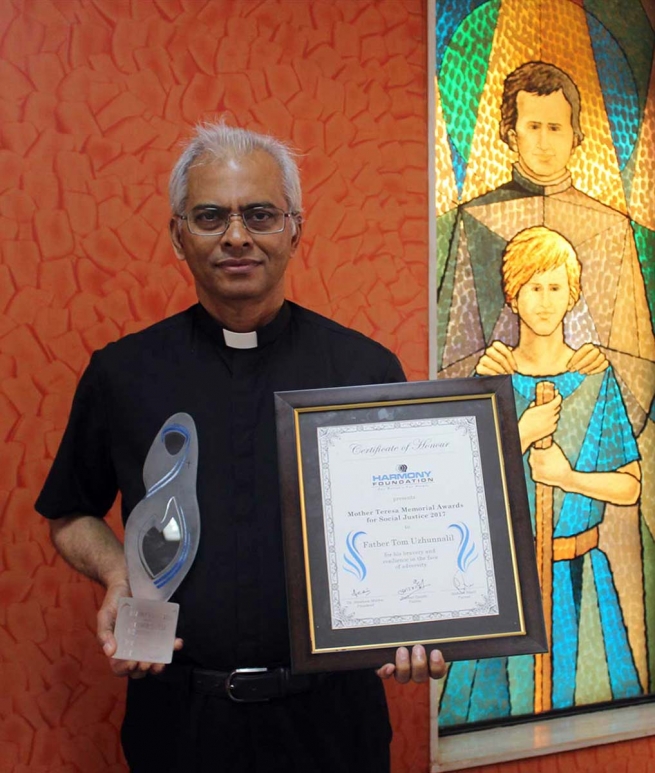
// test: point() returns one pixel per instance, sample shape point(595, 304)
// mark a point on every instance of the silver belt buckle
point(229, 687)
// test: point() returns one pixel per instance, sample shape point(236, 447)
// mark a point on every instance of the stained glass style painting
point(545, 268)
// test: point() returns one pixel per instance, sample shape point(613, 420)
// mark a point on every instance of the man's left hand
point(497, 360)
point(588, 360)
point(417, 668)
point(550, 467)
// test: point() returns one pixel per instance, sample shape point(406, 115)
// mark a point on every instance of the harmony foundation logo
point(402, 476)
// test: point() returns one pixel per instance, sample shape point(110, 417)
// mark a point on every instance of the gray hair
point(224, 142)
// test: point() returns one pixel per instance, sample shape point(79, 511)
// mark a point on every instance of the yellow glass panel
point(642, 200)
point(445, 189)
point(621, 542)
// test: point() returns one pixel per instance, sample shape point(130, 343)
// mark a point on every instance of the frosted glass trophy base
point(145, 630)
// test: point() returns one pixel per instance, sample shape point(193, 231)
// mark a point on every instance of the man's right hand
point(107, 614)
point(497, 360)
point(588, 360)
point(539, 421)
point(91, 547)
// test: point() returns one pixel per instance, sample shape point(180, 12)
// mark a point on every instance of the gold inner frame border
point(308, 576)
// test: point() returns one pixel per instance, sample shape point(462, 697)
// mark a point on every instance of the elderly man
point(236, 221)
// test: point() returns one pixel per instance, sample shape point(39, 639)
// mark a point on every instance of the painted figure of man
point(580, 454)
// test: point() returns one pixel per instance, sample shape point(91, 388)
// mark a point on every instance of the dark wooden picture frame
point(518, 625)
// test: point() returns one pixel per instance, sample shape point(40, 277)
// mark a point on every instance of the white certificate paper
point(406, 524)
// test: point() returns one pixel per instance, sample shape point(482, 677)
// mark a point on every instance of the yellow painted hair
point(534, 251)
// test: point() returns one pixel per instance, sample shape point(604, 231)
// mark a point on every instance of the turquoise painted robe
point(595, 435)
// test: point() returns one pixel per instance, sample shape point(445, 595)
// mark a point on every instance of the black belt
point(245, 685)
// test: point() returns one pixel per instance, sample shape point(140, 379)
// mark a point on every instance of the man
point(236, 221)
point(540, 122)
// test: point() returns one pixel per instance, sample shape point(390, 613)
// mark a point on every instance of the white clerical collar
point(240, 340)
point(554, 186)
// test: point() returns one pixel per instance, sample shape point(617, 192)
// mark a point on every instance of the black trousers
point(341, 726)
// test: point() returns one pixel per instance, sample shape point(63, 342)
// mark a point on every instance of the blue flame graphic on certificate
point(467, 550)
point(466, 555)
point(352, 558)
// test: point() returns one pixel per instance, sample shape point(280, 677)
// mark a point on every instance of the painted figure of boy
point(592, 460)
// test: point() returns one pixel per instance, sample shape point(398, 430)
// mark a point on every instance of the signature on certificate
point(462, 585)
point(416, 587)
point(361, 592)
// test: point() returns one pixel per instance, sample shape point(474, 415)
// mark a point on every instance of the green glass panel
point(446, 281)
point(645, 241)
point(486, 250)
point(445, 226)
point(463, 74)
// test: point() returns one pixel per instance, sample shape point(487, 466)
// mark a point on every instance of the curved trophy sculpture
point(161, 541)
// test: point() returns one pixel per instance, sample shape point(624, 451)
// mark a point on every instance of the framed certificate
point(406, 520)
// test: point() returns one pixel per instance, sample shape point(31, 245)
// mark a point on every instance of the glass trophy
point(161, 541)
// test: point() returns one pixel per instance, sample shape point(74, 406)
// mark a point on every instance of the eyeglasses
point(214, 221)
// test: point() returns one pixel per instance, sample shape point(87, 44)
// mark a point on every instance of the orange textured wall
point(95, 96)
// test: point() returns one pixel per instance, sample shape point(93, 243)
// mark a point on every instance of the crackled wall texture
point(95, 96)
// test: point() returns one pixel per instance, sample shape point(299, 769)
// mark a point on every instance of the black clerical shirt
point(233, 601)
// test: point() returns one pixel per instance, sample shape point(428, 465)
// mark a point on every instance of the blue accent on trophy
point(161, 541)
